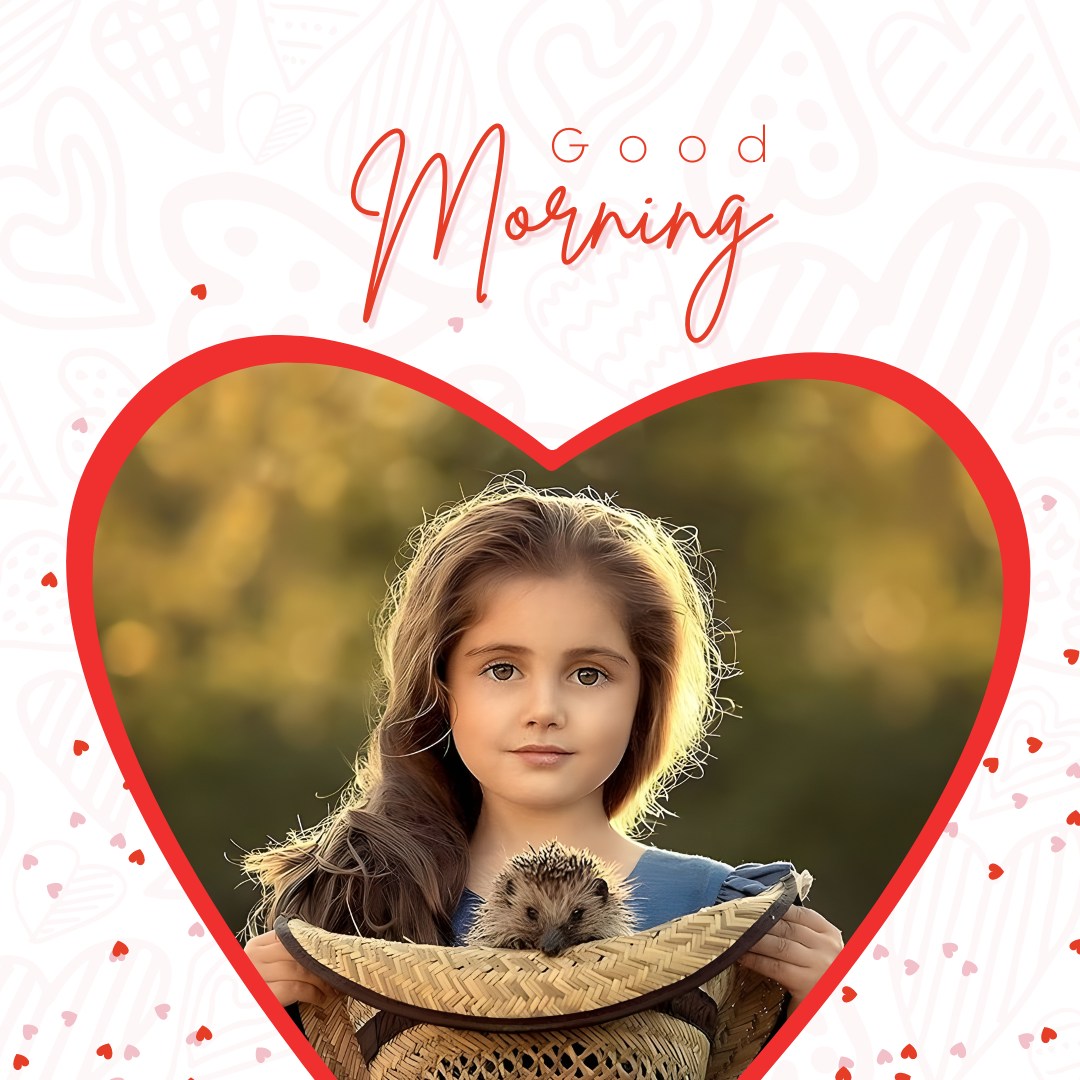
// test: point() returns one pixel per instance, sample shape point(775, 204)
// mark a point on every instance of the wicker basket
point(664, 1003)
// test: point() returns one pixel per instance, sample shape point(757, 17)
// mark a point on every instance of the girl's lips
point(543, 757)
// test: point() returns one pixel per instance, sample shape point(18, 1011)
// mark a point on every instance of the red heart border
point(905, 389)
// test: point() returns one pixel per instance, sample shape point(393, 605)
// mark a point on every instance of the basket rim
point(786, 890)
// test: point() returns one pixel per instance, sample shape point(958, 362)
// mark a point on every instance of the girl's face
point(547, 664)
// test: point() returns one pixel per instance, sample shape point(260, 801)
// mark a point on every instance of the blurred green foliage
point(249, 538)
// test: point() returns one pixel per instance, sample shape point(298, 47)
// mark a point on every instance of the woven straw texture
point(493, 991)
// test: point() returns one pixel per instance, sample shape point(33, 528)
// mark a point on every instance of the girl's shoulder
point(701, 881)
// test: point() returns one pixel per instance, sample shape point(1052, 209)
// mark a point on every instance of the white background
point(922, 169)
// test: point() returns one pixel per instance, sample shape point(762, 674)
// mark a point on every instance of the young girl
point(550, 666)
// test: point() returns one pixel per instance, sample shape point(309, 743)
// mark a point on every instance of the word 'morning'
point(558, 212)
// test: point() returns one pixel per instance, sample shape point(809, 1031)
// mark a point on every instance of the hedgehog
point(551, 899)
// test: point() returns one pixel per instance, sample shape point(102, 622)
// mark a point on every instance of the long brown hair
point(392, 860)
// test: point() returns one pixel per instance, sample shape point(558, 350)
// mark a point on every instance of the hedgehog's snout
point(554, 940)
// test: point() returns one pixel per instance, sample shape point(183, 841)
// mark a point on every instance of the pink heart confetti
point(79, 425)
point(884, 1057)
point(68, 1017)
point(969, 968)
point(952, 829)
point(195, 930)
point(959, 1050)
point(1073, 770)
point(948, 948)
point(29, 1031)
point(880, 951)
point(1019, 800)
point(130, 1052)
point(261, 1054)
point(77, 819)
point(162, 1010)
point(190, 1038)
point(456, 323)
point(53, 889)
point(846, 1063)
point(1048, 502)
point(1026, 1040)
point(118, 841)
point(1056, 843)
point(910, 967)
point(28, 861)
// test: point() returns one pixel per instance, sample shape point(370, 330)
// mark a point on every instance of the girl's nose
point(546, 705)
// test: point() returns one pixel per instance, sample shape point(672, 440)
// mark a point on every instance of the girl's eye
point(590, 676)
point(501, 672)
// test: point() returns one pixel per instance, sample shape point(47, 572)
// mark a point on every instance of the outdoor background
point(248, 540)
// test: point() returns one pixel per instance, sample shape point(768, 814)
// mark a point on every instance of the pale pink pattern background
point(921, 166)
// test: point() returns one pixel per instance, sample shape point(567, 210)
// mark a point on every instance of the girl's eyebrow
point(570, 654)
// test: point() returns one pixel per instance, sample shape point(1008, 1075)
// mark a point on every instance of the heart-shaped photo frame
point(894, 622)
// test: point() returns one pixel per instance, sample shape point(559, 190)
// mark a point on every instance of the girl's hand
point(289, 980)
point(796, 951)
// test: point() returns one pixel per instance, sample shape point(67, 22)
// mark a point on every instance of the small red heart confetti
point(1056, 843)
point(1048, 1034)
point(847, 993)
point(903, 1076)
point(130, 1052)
point(995, 871)
point(203, 1033)
point(948, 948)
point(79, 425)
point(455, 324)
point(1034, 745)
point(959, 1050)
point(884, 1057)
point(50, 580)
point(80, 746)
point(1048, 502)
point(842, 1073)
point(118, 840)
point(1073, 770)
point(28, 861)
point(137, 857)
point(1075, 945)
point(952, 828)
point(909, 1051)
point(162, 1010)
point(880, 951)
point(68, 1017)
point(53, 889)
point(199, 291)
point(1019, 800)
point(21, 1060)
point(76, 820)
point(1072, 655)
point(1073, 818)
point(119, 949)
point(104, 1050)
point(1026, 1040)
point(991, 763)
point(195, 930)
point(910, 967)
point(969, 968)
point(261, 1054)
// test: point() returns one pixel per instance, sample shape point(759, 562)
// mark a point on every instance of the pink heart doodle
point(184, 45)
